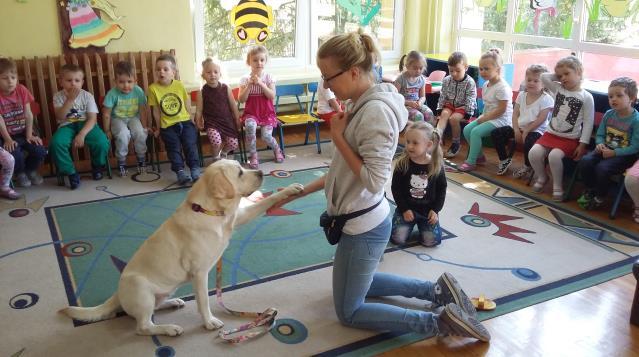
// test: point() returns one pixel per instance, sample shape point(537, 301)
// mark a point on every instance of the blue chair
point(303, 117)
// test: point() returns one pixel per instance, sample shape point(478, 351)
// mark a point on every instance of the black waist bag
point(333, 225)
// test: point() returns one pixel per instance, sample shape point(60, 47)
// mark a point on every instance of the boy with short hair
point(16, 126)
point(76, 114)
point(126, 105)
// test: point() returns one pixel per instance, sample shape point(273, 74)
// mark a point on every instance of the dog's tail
point(97, 313)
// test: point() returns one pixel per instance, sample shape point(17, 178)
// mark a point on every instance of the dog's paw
point(294, 189)
point(213, 323)
point(173, 330)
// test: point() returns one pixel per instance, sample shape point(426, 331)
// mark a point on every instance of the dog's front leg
point(247, 213)
point(201, 286)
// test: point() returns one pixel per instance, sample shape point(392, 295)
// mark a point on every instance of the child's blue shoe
point(183, 178)
point(74, 181)
point(196, 172)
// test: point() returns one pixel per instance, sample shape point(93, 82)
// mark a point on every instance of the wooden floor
point(590, 322)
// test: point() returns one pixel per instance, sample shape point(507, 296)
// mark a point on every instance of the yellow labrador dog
point(185, 248)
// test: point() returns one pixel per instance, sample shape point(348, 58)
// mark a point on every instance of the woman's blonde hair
point(403, 161)
point(353, 49)
point(495, 55)
point(255, 50)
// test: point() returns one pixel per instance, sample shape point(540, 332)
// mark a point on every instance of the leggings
point(474, 132)
point(215, 138)
point(267, 135)
point(6, 167)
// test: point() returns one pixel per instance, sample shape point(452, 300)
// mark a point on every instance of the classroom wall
point(148, 25)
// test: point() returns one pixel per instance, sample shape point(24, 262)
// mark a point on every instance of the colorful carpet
point(496, 242)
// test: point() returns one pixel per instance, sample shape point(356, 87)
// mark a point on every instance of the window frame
point(577, 43)
point(306, 40)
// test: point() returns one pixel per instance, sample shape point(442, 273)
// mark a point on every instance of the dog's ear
point(220, 186)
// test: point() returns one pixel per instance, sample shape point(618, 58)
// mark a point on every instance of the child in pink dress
point(257, 89)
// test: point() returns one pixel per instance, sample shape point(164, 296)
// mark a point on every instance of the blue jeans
point(430, 234)
point(354, 279)
point(34, 158)
point(181, 136)
point(596, 171)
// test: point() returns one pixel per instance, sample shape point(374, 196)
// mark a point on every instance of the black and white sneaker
point(123, 171)
point(453, 321)
point(502, 168)
point(141, 167)
point(452, 150)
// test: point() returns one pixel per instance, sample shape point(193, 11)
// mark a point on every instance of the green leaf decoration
point(566, 28)
point(521, 24)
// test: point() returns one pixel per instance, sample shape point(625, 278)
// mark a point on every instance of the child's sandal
point(558, 195)
point(9, 193)
point(538, 186)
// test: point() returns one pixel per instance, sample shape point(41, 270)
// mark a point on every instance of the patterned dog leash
point(265, 320)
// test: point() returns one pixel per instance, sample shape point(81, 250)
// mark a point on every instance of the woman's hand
point(338, 124)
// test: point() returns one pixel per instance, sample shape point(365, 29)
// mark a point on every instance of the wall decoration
point(363, 12)
point(82, 28)
point(251, 19)
point(540, 6)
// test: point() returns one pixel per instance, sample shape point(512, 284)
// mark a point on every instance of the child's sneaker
point(502, 168)
point(466, 167)
point(279, 158)
point(522, 172)
point(122, 169)
point(253, 161)
point(183, 178)
point(22, 180)
point(195, 173)
point(9, 193)
point(585, 200)
point(74, 181)
point(141, 167)
point(452, 150)
point(35, 178)
point(96, 173)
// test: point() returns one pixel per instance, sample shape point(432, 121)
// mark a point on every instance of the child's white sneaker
point(35, 178)
point(22, 180)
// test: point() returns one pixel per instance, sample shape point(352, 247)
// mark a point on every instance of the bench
point(40, 76)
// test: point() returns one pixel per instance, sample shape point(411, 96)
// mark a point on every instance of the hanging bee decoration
point(251, 19)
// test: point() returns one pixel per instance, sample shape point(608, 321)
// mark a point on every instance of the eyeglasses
point(333, 77)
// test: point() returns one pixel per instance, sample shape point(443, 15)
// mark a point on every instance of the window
point(604, 34)
point(299, 27)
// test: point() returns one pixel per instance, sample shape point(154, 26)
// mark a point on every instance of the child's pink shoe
point(465, 167)
point(254, 163)
point(481, 160)
point(279, 158)
point(9, 193)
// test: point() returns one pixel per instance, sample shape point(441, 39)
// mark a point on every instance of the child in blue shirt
point(617, 143)
point(126, 105)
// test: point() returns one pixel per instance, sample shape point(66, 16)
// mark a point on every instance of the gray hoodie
point(375, 121)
